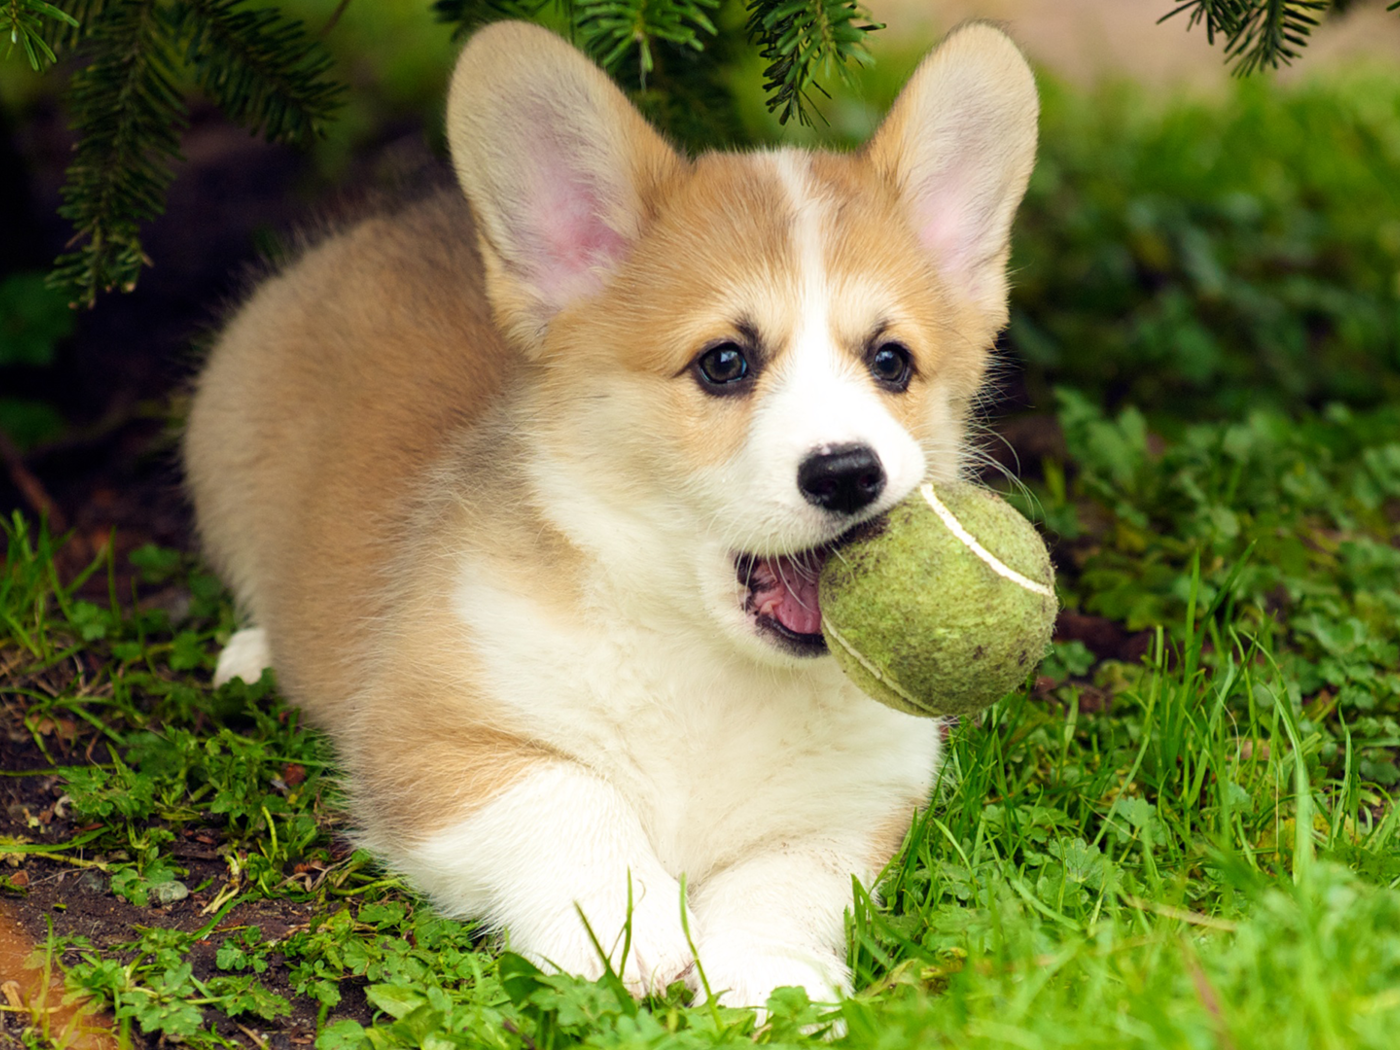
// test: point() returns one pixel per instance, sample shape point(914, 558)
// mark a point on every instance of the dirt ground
point(73, 896)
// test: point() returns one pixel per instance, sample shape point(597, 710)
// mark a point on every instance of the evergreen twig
point(23, 22)
point(128, 118)
point(1258, 33)
point(466, 15)
point(799, 39)
point(624, 34)
point(263, 69)
point(649, 45)
point(85, 14)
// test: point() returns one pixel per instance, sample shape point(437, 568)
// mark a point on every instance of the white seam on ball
point(884, 680)
point(993, 562)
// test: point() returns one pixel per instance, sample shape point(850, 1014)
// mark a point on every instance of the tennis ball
point(942, 606)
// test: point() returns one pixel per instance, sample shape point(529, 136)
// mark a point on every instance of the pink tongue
point(785, 588)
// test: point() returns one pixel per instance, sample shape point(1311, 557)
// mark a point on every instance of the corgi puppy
point(523, 491)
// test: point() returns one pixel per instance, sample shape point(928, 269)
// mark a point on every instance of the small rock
point(170, 892)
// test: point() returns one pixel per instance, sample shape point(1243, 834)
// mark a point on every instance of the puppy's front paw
point(744, 972)
point(657, 952)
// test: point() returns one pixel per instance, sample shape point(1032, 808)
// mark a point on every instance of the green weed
point(1297, 514)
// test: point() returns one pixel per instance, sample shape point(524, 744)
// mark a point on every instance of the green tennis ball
point(942, 606)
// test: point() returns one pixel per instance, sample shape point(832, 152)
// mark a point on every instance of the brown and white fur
point(500, 531)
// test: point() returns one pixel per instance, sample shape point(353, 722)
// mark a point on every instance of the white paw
point(246, 656)
point(657, 952)
point(742, 971)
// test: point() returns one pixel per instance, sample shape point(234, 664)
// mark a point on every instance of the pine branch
point(23, 22)
point(128, 118)
point(620, 35)
point(799, 38)
point(263, 69)
point(624, 34)
point(1258, 33)
point(642, 44)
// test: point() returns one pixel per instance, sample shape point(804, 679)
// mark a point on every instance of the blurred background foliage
point(1212, 257)
point(130, 66)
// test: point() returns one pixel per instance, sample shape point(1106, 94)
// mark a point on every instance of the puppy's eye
point(890, 364)
point(723, 365)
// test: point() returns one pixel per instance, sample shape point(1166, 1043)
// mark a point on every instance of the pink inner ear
point(953, 222)
point(566, 242)
point(944, 233)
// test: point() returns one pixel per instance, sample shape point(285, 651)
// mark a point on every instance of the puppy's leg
point(558, 842)
point(246, 656)
point(777, 920)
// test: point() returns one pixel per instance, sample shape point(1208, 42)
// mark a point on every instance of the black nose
point(843, 479)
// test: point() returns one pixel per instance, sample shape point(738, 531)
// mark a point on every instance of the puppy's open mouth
point(783, 593)
point(782, 598)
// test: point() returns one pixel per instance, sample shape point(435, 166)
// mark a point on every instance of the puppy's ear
point(959, 145)
point(558, 166)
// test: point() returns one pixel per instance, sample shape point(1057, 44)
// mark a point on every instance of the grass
point(1197, 848)
point(1124, 876)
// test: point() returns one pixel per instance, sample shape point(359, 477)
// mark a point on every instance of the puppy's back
point(321, 405)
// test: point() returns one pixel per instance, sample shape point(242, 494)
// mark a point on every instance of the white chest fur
point(716, 754)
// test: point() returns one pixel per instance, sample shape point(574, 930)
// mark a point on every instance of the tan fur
point(334, 389)
point(314, 418)
point(722, 222)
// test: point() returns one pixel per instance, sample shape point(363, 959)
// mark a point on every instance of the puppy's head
point(743, 357)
